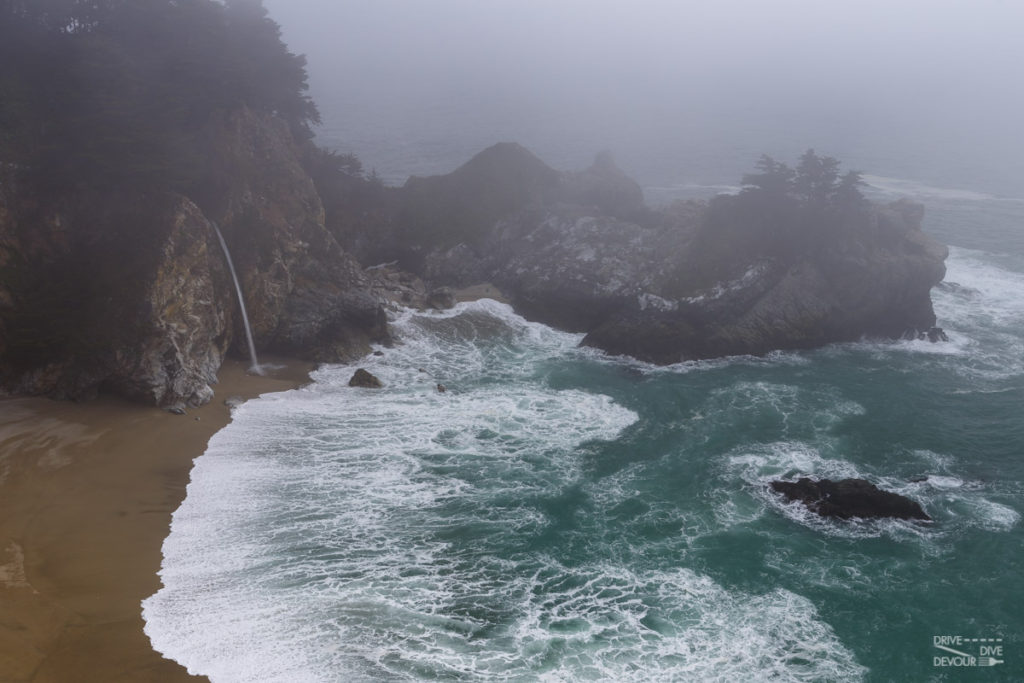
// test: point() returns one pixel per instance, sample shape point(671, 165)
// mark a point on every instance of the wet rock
point(441, 389)
point(176, 409)
point(848, 498)
point(932, 334)
point(364, 379)
point(233, 401)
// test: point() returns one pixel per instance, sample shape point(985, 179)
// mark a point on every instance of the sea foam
point(341, 534)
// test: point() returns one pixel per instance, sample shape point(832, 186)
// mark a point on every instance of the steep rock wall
point(128, 291)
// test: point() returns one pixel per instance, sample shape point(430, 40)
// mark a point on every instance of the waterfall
point(241, 302)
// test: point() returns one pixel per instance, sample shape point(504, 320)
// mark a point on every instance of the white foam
point(320, 541)
point(327, 469)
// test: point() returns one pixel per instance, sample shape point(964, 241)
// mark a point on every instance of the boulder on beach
point(849, 498)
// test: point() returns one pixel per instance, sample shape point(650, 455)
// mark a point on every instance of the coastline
point(86, 496)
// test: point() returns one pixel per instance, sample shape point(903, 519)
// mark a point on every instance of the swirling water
point(562, 515)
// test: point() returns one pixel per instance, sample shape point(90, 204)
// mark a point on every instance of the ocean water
point(561, 515)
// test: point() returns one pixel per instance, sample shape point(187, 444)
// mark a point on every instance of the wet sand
point(86, 496)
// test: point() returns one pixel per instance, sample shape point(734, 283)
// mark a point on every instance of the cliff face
point(306, 296)
point(111, 293)
point(859, 286)
point(130, 293)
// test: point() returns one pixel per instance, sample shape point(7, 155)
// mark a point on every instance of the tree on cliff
point(816, 178)
point(97, 92)
point(773, 177)
point(815, 181)
point(781, 213)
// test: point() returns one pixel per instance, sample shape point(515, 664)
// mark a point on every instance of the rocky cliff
point(744, 274)
point(130, 293)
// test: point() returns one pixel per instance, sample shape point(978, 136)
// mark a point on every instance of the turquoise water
point(562, 515)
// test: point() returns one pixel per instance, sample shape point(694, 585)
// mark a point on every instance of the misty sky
point(949, 71)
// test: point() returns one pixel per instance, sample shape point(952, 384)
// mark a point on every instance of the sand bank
point(86, 496)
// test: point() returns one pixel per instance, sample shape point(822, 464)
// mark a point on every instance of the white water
point(340, 534)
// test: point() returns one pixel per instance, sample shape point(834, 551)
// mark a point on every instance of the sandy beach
point(86, 496)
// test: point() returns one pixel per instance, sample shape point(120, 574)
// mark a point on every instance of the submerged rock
point(365, 379)
point(849, 498)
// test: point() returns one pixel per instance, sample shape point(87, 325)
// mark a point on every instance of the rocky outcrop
point(305, 295)
point(697, 280)
point(134, 307)
point(849, 498)
point(130, 293)
point(364, 379)
point(872, 281)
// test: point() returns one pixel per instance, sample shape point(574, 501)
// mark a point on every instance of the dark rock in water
point(849, 498)
point(362, 378)
point(441, 389)
point(378, 353)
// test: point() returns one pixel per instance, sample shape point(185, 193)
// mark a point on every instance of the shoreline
point(86, 496)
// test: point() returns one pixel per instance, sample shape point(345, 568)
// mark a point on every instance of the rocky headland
point(739, 274)
point(130, 293)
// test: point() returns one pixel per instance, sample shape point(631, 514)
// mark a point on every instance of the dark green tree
point(117, 91)
point(816, 177)
point(773, 177)
point(847, 194)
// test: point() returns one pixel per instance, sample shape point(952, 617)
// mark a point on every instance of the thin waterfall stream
point(241, 302)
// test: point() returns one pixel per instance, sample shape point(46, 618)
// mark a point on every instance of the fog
point(407, 84)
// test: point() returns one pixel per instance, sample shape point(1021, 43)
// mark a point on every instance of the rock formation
point(365, 379)
point(131, 294)
point(848, 498)
point(696, 280)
